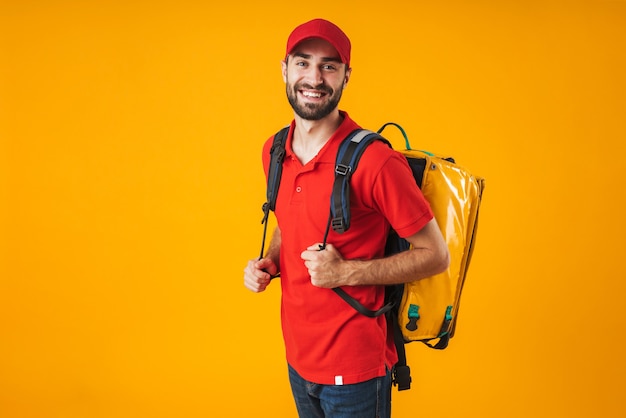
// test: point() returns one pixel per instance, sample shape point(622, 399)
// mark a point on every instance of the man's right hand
point(258, 274)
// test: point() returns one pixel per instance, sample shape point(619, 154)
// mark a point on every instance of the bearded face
point(315, 77)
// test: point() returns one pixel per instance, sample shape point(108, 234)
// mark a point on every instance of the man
point(339, 361)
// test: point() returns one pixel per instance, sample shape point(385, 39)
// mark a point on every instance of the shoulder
point(269, 142)
point(381, 166)
point(379, 154)
point(267, 145)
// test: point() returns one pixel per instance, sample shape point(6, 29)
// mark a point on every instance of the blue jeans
point(370, 399)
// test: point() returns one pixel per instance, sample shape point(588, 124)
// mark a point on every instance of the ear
point(347, 77)
point(283, 65)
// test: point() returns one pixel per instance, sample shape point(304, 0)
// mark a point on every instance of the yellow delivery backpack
point(429, 307)
point(424, 310)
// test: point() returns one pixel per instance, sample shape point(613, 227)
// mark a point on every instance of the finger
point(266, 265)
point(261, 264)
point(255, 287)
point(307, 255)
point(252, 273)
point(255, 283)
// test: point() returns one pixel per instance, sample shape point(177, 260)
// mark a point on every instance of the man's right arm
point(259, 272)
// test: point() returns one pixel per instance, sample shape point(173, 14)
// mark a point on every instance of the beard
point(313, 111)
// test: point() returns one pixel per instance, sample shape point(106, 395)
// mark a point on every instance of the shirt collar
point(328, 153)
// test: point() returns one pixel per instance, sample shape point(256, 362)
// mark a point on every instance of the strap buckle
point(342, 169)
point(338, 225)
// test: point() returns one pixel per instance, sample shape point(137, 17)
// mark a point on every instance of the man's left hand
point(326, 266)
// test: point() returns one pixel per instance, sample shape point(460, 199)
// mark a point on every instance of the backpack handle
point(406, 138)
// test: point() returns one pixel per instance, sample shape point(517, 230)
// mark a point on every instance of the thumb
point(265, 263)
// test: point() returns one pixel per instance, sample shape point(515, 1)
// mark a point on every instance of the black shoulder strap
point(277, 152)
point(401, 371)
point(348, 157)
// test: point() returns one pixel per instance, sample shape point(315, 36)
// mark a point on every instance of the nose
point(314, 76)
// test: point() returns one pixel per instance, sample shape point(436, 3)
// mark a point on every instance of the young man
point(339, 360)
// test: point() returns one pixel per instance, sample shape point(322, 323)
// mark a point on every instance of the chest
point(304, 194)
point(303, 210)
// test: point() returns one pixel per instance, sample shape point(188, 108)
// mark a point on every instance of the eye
point(329, 67)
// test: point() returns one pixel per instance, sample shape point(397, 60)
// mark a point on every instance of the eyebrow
point(324, 59)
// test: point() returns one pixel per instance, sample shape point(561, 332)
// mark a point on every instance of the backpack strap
point(277, 155)
point(401, 373)
point(348, 157)
point(362, 309)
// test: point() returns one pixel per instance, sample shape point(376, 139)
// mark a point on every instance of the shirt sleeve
point(397, 196)
point(265, 157)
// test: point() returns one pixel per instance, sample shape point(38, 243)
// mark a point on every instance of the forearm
point(403, 267)
point(273, 250)
point(429, 256)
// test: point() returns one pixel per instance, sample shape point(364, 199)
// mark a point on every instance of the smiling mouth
point(312, 94)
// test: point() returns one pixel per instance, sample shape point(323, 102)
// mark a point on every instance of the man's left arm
point(428, 256)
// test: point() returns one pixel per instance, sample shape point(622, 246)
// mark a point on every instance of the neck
point(310, 135)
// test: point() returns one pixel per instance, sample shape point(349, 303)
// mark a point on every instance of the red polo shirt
point(326, 340)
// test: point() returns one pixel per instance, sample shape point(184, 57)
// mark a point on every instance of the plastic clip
point(343, 170)
point(338, 225)
point(402, 377)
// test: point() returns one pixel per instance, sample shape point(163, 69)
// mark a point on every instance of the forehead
point(316, 47)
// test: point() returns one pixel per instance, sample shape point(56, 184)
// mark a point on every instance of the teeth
point(311, 94)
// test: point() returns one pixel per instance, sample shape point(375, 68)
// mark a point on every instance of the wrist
point(353, 272)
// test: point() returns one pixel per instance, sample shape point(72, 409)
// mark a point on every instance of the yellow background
point(131, 192)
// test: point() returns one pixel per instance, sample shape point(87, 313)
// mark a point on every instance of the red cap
point(323, 29)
